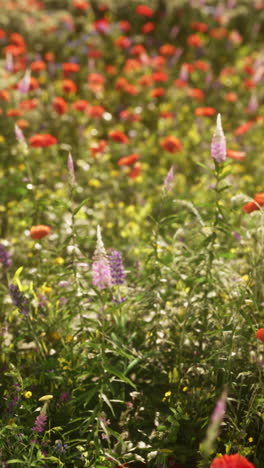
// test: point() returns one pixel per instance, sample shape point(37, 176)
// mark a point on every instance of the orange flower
point(21, 123)
point(80, 105)
point(4, 95)
point(39, 231)
point(42, 140)
point(148, 27)
point(231, 461)
point(171, 144)
point(135, 171)
point(59, 105)
point(14, 113)
point(260, 334)
point(205, 111)
point(200, 27)
point(157, 92)
point(196, 93)
point(233, 154)
point(231, 97)
point(69, 67)
point(254, 205)
point(201, 65)
point(127, 160)
point(123, 42)
point(118, 136)
point(167, 49)
point(219, 33)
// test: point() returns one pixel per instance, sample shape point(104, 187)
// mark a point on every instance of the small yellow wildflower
point(28, 394)
point(58, 261)
point(94, 183)
point(250, 439)
point(185, 389)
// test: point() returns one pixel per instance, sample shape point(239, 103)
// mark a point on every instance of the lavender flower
point(40, 423)
point(117, 267)
point(220, 409)
point(19, 135)
point(168, 181)
point(218, 145)
point(101, 268)
point(71, 172)
point(5, 256)
point(24, 84)
point(18, 299)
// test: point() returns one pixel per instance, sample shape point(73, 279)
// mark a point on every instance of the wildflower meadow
point(132, 233)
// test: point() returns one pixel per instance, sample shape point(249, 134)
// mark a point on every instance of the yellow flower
point(94, 183)
point(28, 394)
point(250, 439)
point(167, 395)
point(185, 389)
point(46, 398)
point(58, 261)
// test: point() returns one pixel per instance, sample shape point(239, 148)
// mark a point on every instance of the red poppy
point(14, 113)
point(179, 83)
point(244, 128)
point(219, 33)
point(80, 105)
point(39, 231)
point(69, 86)
point(194, 40)
point(121, 83)
point(159, 77)
point(249, 83)
point(260, 334)
point(118, 136)
point(102, 25)
point(145, 80)
point(38, 66)
point(69, 67)
point(124, 25)
point(49, 56)
point(231, 461)
point(157, 92)
point(96, 112)
point(4, 95)
point(81, 5)
point(148, 27)
point(201, 65)
point(111, 69)
point(233, 154)
point(167, 49)
point(205, 111)
point(132, 65)
point(137, 49)
point(98, 147)
point(17, 39)
point(127, 160)
point(166, 115)
point(123, 42)
point(200, 27)
point(135, 171)
point(144, 10)
point(28, 104)
point(42, 140)
point(254, 205)
point(231, 97)
point(196, 93)
point(171, 144)
point(131, 89)
point(2, 34)
point(59, 105)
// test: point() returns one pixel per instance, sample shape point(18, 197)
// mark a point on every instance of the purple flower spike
point(5, 256)
point(18, 299)
point(218, 145)
point(117, 267)
point(40, 423)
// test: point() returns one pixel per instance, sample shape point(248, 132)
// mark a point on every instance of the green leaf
point(80, 206)
point(120, 375)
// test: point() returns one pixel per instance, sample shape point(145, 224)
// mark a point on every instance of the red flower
point(231, 97)
point(135, 171)
point(144, 10)
point(200, 27)
point(124, 25)
point(118, 136)
point(81, 5)
point(205, 111)
point(98, 147)
point(123, 42)
point(231, 461)
point(39, 231)
point(233, 154)
point(69, 86)
point(159, 77)
point(96, 112)
point(59, 105)
point(28, 104)
point(127, 160)
point(102, 25)
point(38, 66)
point(148, 27)
point(194, 40)
point(201, 65)
point(42, 140)
point(137, 49)
point(4, 95)
point(14, 113)
point(252, 206)
point(171, 144)
point(196, 93)
point(243, 128)
point(80, 105)
point(157, 92)
point(70, 67)
point(260, 334)
point(167, 49)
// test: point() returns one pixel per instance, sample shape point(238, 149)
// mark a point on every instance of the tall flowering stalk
point(215, 422)
point(5, 257)
point(18, 299)
point(117, 268)
point(218, 144)
point(101, 268)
